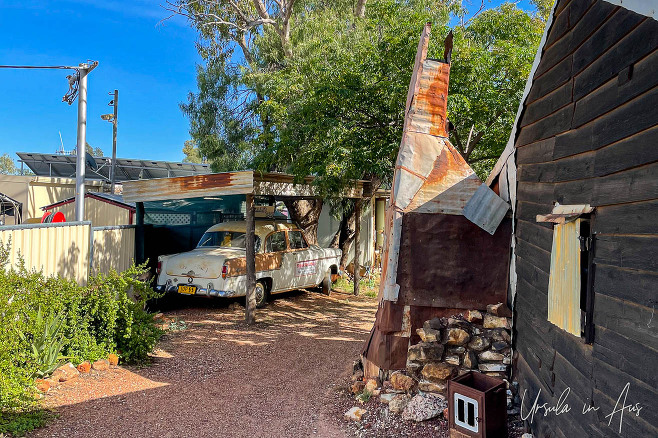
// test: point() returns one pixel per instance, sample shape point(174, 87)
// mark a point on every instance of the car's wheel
point(260, 293)
point(326, 283)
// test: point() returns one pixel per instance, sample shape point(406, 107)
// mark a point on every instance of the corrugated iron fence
point(70, 249)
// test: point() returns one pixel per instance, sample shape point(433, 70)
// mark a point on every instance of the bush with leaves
point(108, 315)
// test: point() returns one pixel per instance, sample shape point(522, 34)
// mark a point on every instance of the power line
point(61, 67)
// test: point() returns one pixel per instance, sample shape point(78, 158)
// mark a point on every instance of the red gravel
point(220, 378)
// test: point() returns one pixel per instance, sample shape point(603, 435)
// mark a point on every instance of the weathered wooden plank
point(634, 252)
point(631, 285)
point(575, 351)
point(633, 426)
point(633, 47)
point(533, 295)
point(627, 355)
point(534, 192)
point(535, 234)
point(616, 92)
point(534, 255)
point(627, 319)
point(548, 104)
point(538, 152)
point(574, 192)
point(634, 185)
point(630, 152)
point(528, 212)
point(530, 385)
point(628, 119)
point(612, 31)
point(559, 121)
point(632, 218)
point(558, 74)
point(560, 24)
point(611, 382)
point(577, 10)
point(587, 25)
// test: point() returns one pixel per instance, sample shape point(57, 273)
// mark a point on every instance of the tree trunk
point(360, 10)
point(306, 213)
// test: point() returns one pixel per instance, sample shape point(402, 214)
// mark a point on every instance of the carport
point(216, 197)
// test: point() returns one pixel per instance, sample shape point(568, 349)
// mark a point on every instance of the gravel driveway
point(218, 378)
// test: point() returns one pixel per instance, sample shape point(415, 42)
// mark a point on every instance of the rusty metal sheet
point(447, 261)
point(564, 280)
point(213, 184)
point(486, 209)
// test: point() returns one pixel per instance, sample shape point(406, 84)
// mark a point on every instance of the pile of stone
point(69, 371)
point(475, 341)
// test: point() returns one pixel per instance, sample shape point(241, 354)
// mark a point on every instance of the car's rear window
point(226, 239)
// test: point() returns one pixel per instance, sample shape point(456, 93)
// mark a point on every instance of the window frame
point(290, 248)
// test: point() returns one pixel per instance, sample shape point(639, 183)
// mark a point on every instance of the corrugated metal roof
point(228, 183)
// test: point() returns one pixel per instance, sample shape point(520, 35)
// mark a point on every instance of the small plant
point(177, 325)
point(47, 345)
point(364, 396)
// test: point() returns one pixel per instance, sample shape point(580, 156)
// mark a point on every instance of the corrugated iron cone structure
point(435, 261)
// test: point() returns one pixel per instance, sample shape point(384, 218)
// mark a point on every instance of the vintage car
point(217, 266)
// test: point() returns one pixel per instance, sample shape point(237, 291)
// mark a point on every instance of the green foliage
point(84, 322)
point(7, 165)
point(327, 96)
point(19, 423)
point(46, 342)
point(364, 396)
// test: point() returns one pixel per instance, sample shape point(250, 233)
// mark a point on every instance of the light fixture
point(108, 117)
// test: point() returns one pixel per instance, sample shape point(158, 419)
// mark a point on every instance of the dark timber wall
point(589, 135)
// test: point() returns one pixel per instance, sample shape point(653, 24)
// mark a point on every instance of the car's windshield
point(226, 239)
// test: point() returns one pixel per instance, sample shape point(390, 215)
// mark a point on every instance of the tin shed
point(436, 261)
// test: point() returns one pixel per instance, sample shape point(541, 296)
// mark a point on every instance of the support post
point(357, 245)
point(250, 253)
point(139, 233)
point(115, 121)
point(83, 71)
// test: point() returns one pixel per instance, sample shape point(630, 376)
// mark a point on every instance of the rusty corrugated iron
point(430, 175)
point(564, 279)
point(227, 183)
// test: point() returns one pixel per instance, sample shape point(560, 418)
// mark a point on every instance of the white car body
point(283, 262)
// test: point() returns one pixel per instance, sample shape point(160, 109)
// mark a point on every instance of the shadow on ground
point(220, 377)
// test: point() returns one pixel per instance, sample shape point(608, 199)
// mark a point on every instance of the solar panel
point(127, 169)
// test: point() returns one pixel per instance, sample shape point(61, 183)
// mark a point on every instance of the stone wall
point(473, 341)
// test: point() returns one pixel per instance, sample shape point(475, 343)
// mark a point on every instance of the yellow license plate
point(188, 290)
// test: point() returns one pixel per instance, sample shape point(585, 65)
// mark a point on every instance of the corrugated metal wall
point(71, 249)
point(101, 214)
point(564, 280)
point(113, 248)
point(57, 249)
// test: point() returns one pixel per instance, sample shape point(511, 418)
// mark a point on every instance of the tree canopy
point(314, 87)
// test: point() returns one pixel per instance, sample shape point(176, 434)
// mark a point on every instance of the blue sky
point(152, 64)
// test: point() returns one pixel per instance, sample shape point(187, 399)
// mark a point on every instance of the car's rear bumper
point(199, 291)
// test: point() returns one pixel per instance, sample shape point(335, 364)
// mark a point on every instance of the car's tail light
point(224, 271)
point(159, 268)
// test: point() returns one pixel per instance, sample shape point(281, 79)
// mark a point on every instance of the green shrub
point(108, 315)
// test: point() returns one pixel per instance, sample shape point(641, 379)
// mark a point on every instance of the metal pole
point(250, 307)
point(114, 138)
point(84, 69)
point(80, 147)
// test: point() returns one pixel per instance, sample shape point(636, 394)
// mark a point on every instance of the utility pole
point(115, 102)
point(83, 70)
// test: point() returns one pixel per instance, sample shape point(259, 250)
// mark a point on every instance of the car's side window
point(296, 240)
point(276, 242)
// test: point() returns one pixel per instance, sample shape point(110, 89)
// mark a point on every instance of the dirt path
point(219, 378)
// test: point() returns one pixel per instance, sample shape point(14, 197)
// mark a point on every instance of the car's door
point(306, 266)
point(281, 278)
